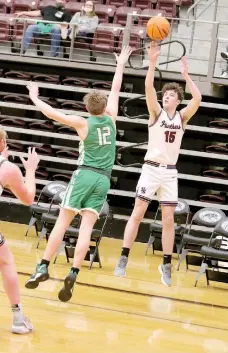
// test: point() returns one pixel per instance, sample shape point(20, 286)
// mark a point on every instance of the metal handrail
point(191, 9)
point(162, 63)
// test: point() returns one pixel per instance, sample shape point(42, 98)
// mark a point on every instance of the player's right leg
point(41, 274)
point(21, 324)
point(148, 184)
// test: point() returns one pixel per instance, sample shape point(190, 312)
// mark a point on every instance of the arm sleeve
point(75, 18)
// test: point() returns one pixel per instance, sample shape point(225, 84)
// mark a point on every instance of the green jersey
point(99, 148)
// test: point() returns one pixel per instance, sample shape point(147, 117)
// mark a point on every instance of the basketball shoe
point(40, 275)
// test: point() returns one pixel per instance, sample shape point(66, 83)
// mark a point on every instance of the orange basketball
point(158, 28)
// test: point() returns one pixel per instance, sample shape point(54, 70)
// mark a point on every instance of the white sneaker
point(224, 75)
point(21, 325)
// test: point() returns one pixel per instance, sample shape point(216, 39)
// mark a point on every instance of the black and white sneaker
point(66, 292)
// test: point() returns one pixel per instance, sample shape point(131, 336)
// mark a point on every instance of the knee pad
point(2, 239)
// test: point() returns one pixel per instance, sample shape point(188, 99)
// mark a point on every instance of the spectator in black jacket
point(56, 13)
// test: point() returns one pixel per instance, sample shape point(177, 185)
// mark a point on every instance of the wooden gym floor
point(136, 314)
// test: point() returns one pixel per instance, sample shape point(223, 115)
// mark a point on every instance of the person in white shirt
point(166, 128)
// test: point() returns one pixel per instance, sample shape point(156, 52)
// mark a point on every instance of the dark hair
point(92, 13)
point(95, 102)
point(173, 86)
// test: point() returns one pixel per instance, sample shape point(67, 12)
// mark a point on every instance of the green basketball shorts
point(87, 190)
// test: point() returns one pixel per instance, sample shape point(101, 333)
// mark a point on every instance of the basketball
point(158, 28)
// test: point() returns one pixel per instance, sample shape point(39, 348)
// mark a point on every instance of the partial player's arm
point(153, 106)
point(28, 13)
point(74, 121)
point(113, 99)
point(24, 190)
point(194, 103)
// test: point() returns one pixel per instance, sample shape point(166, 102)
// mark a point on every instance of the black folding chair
point(46, 194)
point(192, 241)
point(215, 255)
point(181, 217)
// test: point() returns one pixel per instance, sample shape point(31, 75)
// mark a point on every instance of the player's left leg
point(87, 223)
point(41, 274)
point(21, 324)
point(168, 195)
point(91, 208)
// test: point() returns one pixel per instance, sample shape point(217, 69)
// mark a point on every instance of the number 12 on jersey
point(170, 136)
point(103, 133)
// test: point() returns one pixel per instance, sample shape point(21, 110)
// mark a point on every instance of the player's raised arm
point(70, 120)
point(12, 178)
point(113, 99)
point(194, 103)
point(153, 106)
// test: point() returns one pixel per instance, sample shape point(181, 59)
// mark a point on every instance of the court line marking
point(142, 315)
point(134, 292)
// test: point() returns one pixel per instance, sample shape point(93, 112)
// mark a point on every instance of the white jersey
point(165, 136)
point(2, 159)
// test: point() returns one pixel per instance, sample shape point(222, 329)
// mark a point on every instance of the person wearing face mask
point(56, 13)
point(86, 22)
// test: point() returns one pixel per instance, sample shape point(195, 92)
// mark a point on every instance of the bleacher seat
point(105, 12)
point(105, 38)
point(142, 4)
point(63, 153)
point(120, 17)
point(44, 3)
point(136, 36)
point(187, 2)
point(117, 3)
point(73, 81)
point(24, 5)
point(72, 105)
point(101, 85)
point(15, 98)
point(170, 6)
point(13, 122)
point(74, 7)
point(17, 75)
point(45, 126)
point(3, 6)
point(54, 79)
point(4, 30)
point(148, 13)
point(45, 150)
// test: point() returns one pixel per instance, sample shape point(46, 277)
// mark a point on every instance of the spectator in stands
point(224, 55)
point(86, 22)
point(50, 13)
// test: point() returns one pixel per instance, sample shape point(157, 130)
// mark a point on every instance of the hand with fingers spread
point(184, 66)
point(32, 161)
point(153, 52)
point(33, 89)
point(124, 55)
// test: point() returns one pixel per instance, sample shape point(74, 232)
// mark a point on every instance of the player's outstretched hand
point(32, 161)
point(184, 66)
point(124, 55)
point(33, 89)
point(153, 52)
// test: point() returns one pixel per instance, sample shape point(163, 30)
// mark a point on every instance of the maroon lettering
point(170, 126)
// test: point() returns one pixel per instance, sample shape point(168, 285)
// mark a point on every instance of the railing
point(202, 55)
point(193, 10)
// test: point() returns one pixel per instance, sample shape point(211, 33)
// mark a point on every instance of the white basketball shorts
point(158, 180)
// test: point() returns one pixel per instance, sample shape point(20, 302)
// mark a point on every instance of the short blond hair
point(95, 102)
point(3, 133)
